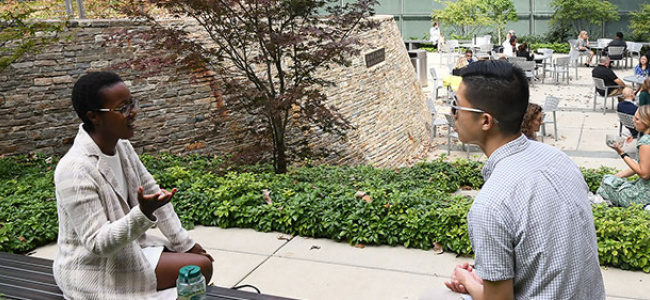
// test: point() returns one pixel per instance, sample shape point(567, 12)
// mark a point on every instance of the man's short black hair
point(499, 88)
point(469, 51)
point(87, 94)
point(619, 35)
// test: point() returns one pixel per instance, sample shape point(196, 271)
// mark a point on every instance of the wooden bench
point(27, 277)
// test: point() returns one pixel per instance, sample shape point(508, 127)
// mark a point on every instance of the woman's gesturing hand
point(149, 203)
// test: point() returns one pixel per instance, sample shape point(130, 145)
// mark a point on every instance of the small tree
point(501, 12)
point(267, 56)
point(465, 16)
point(640, 22)
point(583, 14)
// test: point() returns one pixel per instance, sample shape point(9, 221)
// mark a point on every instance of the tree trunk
point(280, 164)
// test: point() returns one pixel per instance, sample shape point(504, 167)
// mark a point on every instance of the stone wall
point(384, 102)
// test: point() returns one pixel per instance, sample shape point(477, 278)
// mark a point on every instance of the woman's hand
point(197, 249)
point(149, 203)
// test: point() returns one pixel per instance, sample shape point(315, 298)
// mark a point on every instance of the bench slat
point(13, 289)
point(27, 277)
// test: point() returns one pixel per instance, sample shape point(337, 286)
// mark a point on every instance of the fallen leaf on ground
point(314, 247)
point(360, 246)
point(437, 248)
point(284, 237)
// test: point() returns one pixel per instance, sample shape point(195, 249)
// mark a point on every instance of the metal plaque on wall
point(375, 57)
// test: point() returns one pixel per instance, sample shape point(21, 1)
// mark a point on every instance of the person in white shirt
point(434, 33)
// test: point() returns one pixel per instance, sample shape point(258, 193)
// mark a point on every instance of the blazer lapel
point(107, 172)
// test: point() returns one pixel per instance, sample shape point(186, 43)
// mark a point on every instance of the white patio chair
point(549, 108)
point(529, 69)
point(632, 50)
point(435, 122)
point(437, 83)
point(599, 84)
point(617, 54)
point(451, 133)
point(626, 121)
point(559, 66)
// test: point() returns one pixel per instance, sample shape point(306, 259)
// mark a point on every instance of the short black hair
point(469, 51)
point(499, 88)
point(619, 35)
point(87, 94)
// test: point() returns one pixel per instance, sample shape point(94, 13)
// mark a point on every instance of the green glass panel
point(388, 7)
point(416, 28)
point(421, 7)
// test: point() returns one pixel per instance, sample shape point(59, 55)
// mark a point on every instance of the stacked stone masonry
point(385, 102)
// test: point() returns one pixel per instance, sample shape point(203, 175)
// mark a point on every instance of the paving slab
point(236, 239)
point(416, 261)
point(312, 280)
point(626, 284)
point(231, 267)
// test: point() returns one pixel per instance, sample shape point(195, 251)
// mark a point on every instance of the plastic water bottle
point(191, 283)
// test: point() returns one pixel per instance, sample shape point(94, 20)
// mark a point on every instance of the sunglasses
point(125, 109)
point(455, 108)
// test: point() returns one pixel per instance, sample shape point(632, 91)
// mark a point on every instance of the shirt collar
point(513, 147)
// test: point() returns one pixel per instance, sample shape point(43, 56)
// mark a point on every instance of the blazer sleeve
point(81, 197)
point(167, 219)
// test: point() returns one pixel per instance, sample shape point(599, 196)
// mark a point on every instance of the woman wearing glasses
point(107, 200)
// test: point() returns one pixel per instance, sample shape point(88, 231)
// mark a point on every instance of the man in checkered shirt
point(531, 225)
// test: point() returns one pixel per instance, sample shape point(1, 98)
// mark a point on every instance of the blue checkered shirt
point(532, 222)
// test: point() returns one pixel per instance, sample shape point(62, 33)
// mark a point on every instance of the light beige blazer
point(101, 232)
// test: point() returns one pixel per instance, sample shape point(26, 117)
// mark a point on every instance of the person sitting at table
point(434, 34)
point(642, 68)
point(510, 49)
point(644, 94)
point(603, 72)
point(626, 105)
point(107, 200)
point(616, 188)
point(532, 121)
point(461, 63)
point(522, 51)
point(617, 42)
point(582, 44)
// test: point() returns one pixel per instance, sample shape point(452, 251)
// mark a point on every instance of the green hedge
point(410, 206)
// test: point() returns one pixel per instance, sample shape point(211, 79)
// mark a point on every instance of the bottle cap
point(190, 271)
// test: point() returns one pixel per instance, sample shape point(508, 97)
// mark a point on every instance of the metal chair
point(514, 59)
point(599, 84)
point(529, 69)
point(434, 121)
point(437, 83)
point(454, 134)
point(617, 54)
point(550, 107)
point(560, 65)
point(626, 120)
point(633, 49)
point(448, 49)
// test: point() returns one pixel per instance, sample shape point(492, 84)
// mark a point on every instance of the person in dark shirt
point(626, 105)
point(617, 42)
point(603, 72)
point(522, 51)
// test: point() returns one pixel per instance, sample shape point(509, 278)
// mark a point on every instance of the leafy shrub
point(411, 206)
point(557, 47)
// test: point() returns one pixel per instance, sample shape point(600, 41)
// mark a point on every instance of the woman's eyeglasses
point(455, 108)
point(125, 109)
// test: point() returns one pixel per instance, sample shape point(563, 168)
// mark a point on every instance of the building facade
point(414, 16)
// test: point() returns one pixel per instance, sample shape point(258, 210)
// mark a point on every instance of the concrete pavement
point(320, 269)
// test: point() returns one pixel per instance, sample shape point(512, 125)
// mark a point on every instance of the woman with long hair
point(644, 94)
point(642, 68)
point(532, 121)
point(616, 188)
point(582, 44)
